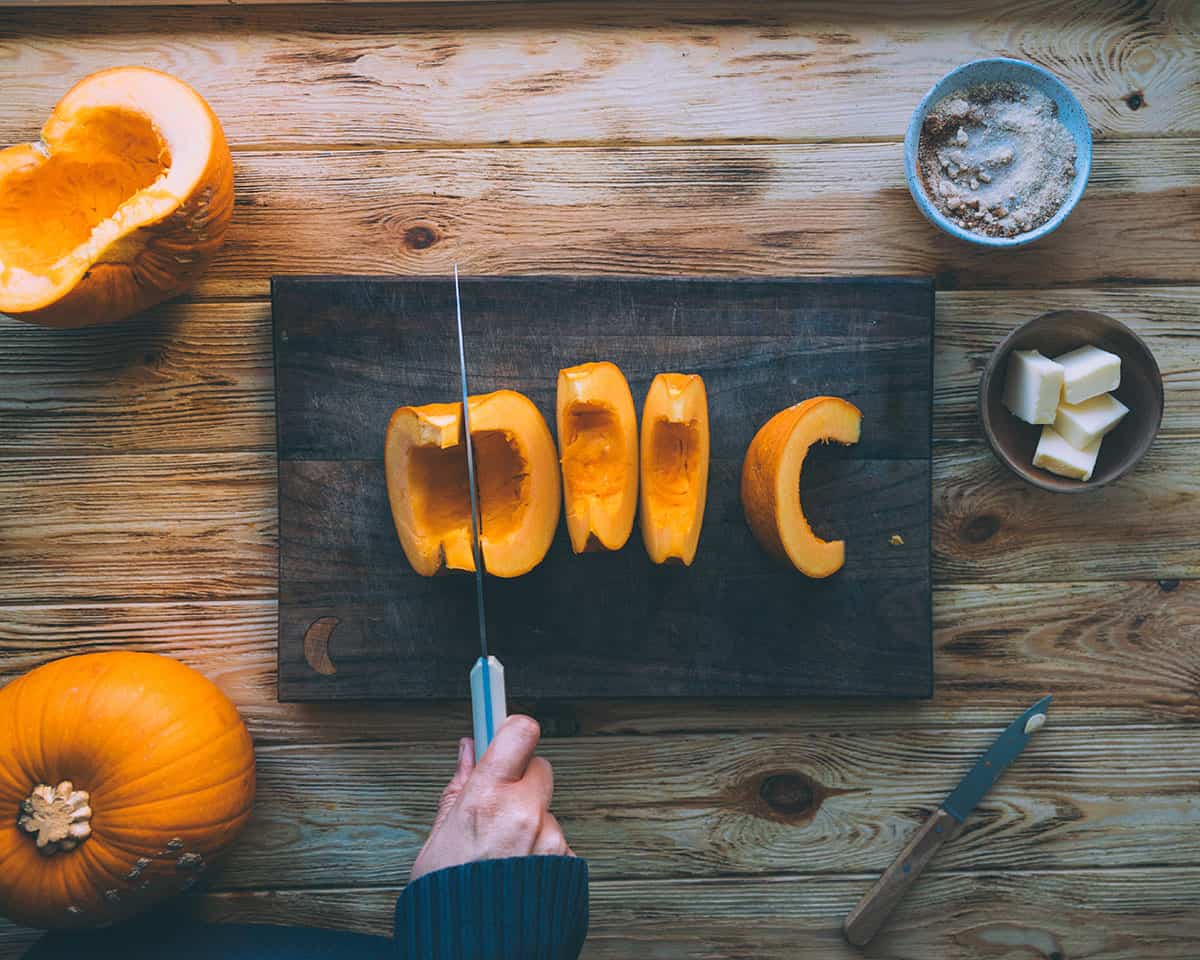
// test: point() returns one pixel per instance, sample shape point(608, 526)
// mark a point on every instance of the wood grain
point(184, 376)
point(188, 526)
point(193, 376)
point(834, 801)
point(610, 72)
point(989, 525)
point(1111, 653)
point(1139, 914)
point(821, 209)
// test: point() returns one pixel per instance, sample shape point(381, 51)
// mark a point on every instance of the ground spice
point(995, 159)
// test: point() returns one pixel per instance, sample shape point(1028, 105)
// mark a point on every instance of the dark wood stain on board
point(349, 350)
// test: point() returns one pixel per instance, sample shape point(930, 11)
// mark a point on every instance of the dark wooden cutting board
point(356, 622)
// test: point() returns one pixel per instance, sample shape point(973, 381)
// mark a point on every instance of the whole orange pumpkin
point(122, 775)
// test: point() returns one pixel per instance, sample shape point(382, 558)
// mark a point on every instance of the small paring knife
point(864, 921)
point(488, 707)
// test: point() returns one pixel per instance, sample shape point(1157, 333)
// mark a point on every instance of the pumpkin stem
point(59, 816)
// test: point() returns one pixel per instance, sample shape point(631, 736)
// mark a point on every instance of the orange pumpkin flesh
point(674, 466)
point(164, 767)
point(771, 481)
point(517, 470)
point(122, 203)
point(598, 444)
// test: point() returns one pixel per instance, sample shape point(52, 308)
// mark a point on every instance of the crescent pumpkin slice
point(771, 481)
point(120, 205)
point(674, 466)
point(598, 449)
point(516, 467)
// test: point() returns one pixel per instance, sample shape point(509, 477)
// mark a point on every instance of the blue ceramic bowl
point(991, 70)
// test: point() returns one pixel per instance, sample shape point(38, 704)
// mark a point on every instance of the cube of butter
point(1032, 386)
point(1056, 455)
point(1082, 424)
point(1089, 372)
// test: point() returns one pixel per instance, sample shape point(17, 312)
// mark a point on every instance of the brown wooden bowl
point(1141, 389)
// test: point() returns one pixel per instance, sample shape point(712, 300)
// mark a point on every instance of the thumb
point(466, 763)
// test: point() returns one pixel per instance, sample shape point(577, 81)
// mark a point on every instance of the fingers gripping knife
point(488, 708)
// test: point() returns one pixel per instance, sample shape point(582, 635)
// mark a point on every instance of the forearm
point(521, 908)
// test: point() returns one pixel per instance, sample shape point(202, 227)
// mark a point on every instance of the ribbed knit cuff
point(531, 908)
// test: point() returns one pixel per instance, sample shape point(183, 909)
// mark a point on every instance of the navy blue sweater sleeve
point(520, 908)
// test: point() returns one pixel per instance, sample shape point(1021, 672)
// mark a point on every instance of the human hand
point(500, 808)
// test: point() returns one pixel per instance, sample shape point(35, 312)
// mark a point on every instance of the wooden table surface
point(137, 466)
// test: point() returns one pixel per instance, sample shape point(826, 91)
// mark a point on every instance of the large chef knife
point(864, 921)
point(488, 707)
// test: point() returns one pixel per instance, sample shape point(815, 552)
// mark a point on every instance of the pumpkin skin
point(122, 204)
point(516, 466)
point(771, 482)
point(598, 449)
point(168, 766)
point(674, 467)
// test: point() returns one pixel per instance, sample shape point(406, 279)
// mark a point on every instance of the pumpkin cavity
point(441, 499)
point(673, 470)
point(593, 460)
point(48, 209)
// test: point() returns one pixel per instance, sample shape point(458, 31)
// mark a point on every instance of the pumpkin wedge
point(516, 467)
point(771, 481)
point(674, 462)
point(123, 776)
point(598, 450)
point(122, 203)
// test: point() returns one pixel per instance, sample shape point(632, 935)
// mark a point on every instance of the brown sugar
point(995, 159)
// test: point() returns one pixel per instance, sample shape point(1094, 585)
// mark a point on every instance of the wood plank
point(350, 350)
point(989, 525)
point(971, 323)
point(600, 71)
point(203, 526)
point(1111, 653)
point(192, 376)
point(183, 376)
point(1144, 914)
point(186, 526)
point(835, 801)
point(823, 209)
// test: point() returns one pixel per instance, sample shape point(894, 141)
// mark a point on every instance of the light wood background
point(137, 465)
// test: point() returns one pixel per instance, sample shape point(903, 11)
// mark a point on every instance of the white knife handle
point(488, 707)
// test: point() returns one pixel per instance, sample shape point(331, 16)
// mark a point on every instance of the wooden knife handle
point(864, 921)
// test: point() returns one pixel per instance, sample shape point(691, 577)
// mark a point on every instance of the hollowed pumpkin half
point(674, 447)
point(598, 450)
point(121, 204)
point(771, 481)
point(516, 467)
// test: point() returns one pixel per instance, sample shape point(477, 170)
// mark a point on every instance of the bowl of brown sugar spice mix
point(998, 152)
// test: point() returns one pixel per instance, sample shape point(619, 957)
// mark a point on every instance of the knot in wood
point(980, 529)
point(59, 818)
point(420, 237)
point(790, 796)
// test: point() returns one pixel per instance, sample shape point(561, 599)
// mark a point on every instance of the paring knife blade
point(864, 921)
point(488, 706)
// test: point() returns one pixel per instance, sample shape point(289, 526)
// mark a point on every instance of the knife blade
point(488, 706)
point(864, 921)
